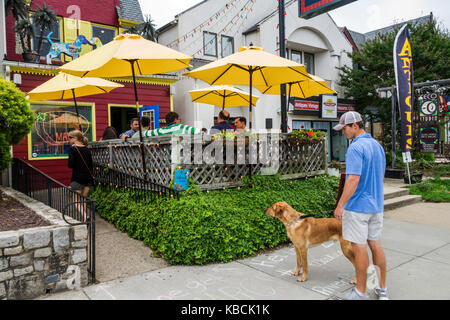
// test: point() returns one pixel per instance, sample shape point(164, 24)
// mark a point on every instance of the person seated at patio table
point(134, 127)
point(110, 133)
point(239, 125)
point(223, 118)
point(145, 126)
point(174, 126)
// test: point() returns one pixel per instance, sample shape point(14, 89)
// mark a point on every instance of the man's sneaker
point(353, 295)
point(382, 293)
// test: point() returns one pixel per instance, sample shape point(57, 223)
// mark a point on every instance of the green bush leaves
point(215, 226)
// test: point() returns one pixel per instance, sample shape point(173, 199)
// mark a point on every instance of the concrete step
point(394, 192)
point(401, 201)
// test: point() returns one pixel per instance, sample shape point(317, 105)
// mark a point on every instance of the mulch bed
point(15, 216)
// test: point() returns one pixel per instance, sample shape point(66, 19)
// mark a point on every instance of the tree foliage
point(146, 29)
point(16, 119)
point(45, 18)
point(374, 68)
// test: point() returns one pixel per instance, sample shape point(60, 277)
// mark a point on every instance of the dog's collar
point(299, 219)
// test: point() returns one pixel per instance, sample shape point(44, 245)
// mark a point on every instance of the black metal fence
point(39, 186)
point(140, 188)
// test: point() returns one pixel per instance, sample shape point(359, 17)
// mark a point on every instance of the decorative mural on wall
point(71, 49)
point(49, 138)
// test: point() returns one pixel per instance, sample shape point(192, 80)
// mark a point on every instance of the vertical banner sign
point(404, 76)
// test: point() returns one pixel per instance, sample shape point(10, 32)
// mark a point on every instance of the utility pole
point(282, 37)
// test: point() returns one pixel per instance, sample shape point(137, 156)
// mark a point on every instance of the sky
point(361, 16)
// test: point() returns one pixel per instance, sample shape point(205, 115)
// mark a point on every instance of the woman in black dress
point(80, 160)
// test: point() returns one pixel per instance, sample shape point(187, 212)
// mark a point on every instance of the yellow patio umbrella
point(128, 55)
point(66, 86)
point(251, 66)
point(222, 96)
point(301, 89)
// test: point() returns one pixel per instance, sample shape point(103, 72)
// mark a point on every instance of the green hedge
point(221, 225)
point(432, 190)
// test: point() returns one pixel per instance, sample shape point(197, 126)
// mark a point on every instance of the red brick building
point(46, 146)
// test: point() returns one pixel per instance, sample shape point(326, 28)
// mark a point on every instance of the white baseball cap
point(348, 118)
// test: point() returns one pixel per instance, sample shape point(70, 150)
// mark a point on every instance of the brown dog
point(309, 232)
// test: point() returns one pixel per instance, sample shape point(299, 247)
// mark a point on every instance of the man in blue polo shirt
point(362, 202)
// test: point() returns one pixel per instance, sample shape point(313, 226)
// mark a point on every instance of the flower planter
point(415, 178)
point(30, 57)
point(394, 173)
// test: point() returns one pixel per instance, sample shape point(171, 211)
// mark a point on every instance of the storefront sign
point(304, 105)
point(429, 140)
point(329, 107)
point(428, 108)
point(181, 182)
point(312, 8)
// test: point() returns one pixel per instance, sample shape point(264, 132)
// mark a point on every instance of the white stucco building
point(213, 29)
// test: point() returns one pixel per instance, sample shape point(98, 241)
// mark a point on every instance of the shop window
point(227, 46)
point(54, 37)
point(49, 137)
point(298, 125)
point(209, 44)
point(309, 63)
point(296, 56)
point(105, 34)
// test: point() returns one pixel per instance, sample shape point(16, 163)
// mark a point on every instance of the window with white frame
point(209, 44)
point(309, 62)
point(296, 56)
point(304, 58)
point(227, 46)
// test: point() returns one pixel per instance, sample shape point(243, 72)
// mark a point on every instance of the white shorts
point(360, 227)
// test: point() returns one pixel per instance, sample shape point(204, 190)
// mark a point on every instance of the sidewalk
point(416, 240)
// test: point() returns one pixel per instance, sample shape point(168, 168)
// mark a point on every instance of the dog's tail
point(48, 38)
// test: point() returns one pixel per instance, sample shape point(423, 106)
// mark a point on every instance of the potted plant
point(306, 136)
point(45, 19)
point(416, 177)
point(333, 168)
point(24, 29)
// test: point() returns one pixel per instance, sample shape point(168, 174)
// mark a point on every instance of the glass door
point(339, 144)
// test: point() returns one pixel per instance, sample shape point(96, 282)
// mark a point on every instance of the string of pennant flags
point(212, 24)
point(228, 29)
point(206, 23)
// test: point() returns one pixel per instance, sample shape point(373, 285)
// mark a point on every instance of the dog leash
point(340, 190)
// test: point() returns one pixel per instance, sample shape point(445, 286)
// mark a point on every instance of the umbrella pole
point(223, 103)
point(289, 98)
point(141, 145)
point(250, 118)
point(251, 98)
point(76, 109)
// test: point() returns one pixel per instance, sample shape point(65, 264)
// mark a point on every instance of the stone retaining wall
point(42, 260)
